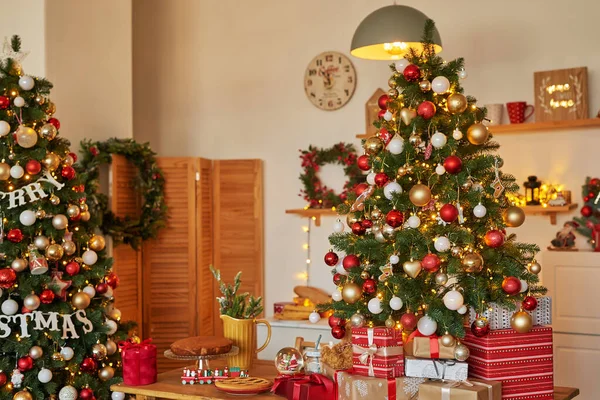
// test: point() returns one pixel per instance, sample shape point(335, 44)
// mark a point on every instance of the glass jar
point(312, 363)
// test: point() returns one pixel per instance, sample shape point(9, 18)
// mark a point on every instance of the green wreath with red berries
point(314, 192)
point(149, 183)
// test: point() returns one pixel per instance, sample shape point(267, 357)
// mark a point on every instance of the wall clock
point(330, 80)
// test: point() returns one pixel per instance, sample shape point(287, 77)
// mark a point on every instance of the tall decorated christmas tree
point(58, 327)
point(427, 236)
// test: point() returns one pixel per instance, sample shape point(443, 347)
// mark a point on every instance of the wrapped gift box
point(499, 317)
point(523, 362)
point(355, 387)
point(428, 347)
point(139, 363)
point(377, 352)
point(436, 369)
point(304, 387)
point(474, 389)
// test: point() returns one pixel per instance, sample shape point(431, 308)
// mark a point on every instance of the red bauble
point(586, 211)
point(453, 164)
point(381, 113)
point(408, 321)
point(47, 296)
point(369, 286)
point(337, 278)
point(4, 102)
point(3, 378)
point(358, 229)
point(331, 258)
point(338, 332)
point(101, 288)
point(8, 277)
point(15, 235)
point(448, 213)
point(363, 163)
point(394, 218)
point(431, 262)
point(33, 167)
point(586, 199)
point(426, 110)
point(529, 303)
point(25, 363)
point(336, 321)
point(73, 155)
point(72, 268)
point(480, 331)
point(367, 223)
point(385, 136)
point(511, 285)
point(412, 73)
point(361, 187)
point(595, 181)
point(86, 394)
point(383, 101)
point(68, 173)
point(381, 179)
point(25, 310)
point(494, 238)
point(350, 261)
point(88, 365)
point(54, 122)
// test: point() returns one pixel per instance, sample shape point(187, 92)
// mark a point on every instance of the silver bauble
point(357, 320)
point(31, 302)
point(461, 352)
point(70, 247)
point(18, 265)
point(41, 242)
point(441, 278)
point(36, 352)
point(59, 221)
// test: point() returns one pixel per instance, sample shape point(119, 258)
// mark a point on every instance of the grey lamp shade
point(388, 33)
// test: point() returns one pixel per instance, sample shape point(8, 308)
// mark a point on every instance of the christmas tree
point(428, 236)
point(58, 327)
point(589, 222)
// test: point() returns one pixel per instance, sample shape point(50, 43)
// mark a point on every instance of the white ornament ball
point(27, 217)
point(19, 101)
point(462, 74)
point(4, 128)
point(396, 303)
point(314, 317)
point(390, 189)
point(109, 293)
point(427, 326)
point(453, 300)
point(16, 171)
point(336, 295)
point(463, 310)
point(396, 145)
point(479, 210)
point(442, 244)
point(26, 82)
point(9, 307)
point(401, 64)
point(90, 291)
point(339, 268)
point(45, 375)
point(41, 242)
point(440, 84)
point(111, 326)
point(68, 393)
point(388, 115)
point(438, 140)
point(117, 396)
point(371, 178)
point(60, 221)
point(90, 257)
point(414, 221)
point(440, 170)
point(524, 286)
point(374, 306)
point(457, 134)
point(67, 353)
point(338, 226)
point(394, 259)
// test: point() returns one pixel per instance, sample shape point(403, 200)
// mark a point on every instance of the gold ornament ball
point(448, 340)
point(457, 103)
point(23, 395)
point(514, 216)
point(351, 219)
point(534, 267)
point(425, 85)
point(461, 352)
point(4, 171)
point(39, 214)
point(111, 347)
point(457, 251)
point(59, 221)
point(420, 195)
point(388, 231)
point(357, 320)
point(56, 356)
point(375, 213)
point(441, 278)
point(99, 351)
point(85, 216)
point(16, 69)
point(393, 94)
point(18, 265)
point(135, 339)
point(115, 314)
point(68, 161)
point(106, 373)
point(481, 322)
point(36, 352)
point(50, 108)
point(55, 252)
point(48, 131)
point(26, 137)
point(351, 293)
point(477, 134)
point(80, 300)
point(73, 211)
point(373, 145)
point(69, 247)
point(521, 322)
point(414, 139)
point(379, 236)
point(97, 243)
point(51, 161)
point(472, 262)
point(389, 322)
point(84, 207)
point(31, 302)
point(392, 83)
point(40, 99)
point(364, 275)
point(402, 171)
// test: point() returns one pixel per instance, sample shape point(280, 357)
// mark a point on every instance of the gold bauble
point(392, 83)
point(448, 340)
point(379, 236)
point(70, 247)
point(73, 211)
point(407, 115)
point(375, 213)
point(351, 292)
point(365, 275)
point(135, 339)
point(114, 314)
point(80, 300)
point(4, 171)
point(472, 262)
point(99, 351)
point(23, 395)
point(478, 134)
point(50, 108)
point(514, 216)
point(26, 137)
point(388, 231)
point(441, 278)
point(534, 268)
point(48, 131)
point(85, 216)
point(40, 99)
point(39, 214)
point(97, 243)
point(425, 85)
point(457, 251)
point(16, 69)
point(83, 207)
point(111, 347)
point(481, 322)
point(36, 352)
point(389, 322)
point(68, 161)
point(521, 322)
point(461, 352)
point(55, 252)
point(351, 219)
point(393, 94)
point(51, 161)
point(457, 103)
point(373, 145)
point(415, 139)
point(420, 195)
point(106, 373)
point(18, 265)
point(56, 356)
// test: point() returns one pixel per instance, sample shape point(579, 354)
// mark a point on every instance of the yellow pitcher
point(242, 332)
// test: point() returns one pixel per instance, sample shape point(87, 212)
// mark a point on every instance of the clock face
point(330, 80)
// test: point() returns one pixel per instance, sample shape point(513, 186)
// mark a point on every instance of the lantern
point(532, 191)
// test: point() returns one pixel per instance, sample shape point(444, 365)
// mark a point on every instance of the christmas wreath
point(317, 194)
point(149, 181)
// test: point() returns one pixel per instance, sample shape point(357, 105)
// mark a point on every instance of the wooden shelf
point(362, 136)
point(545, 126)
point(551, 211)
point(314, 213)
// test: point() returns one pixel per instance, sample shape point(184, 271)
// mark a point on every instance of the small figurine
point(565, 238)
point(559, 200)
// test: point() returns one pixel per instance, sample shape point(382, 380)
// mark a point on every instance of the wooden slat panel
point(238, 224)
point(206, 298)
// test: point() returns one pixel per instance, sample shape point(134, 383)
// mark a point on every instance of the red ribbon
point(434, 345)
point(283, 379)
point(317, 379)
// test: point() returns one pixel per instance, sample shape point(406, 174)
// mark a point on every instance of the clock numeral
point(319, 62)
point(312, 72)
point(350, 79)
point(347, 92)
point(329, 58)
point(346, 67)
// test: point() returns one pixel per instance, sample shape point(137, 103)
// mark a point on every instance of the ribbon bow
point(434, 345)
point(283, 379)
point(455, 384)
point(317, 379)
point(125, 345)
point(366, 355)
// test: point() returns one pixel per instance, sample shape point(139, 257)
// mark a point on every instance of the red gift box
point(139, 363)
point(304, 387)
point(377, 352)
point(523, 362)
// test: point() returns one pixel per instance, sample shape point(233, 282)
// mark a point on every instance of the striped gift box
point(377, 352)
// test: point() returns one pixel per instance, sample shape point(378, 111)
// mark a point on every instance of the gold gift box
point(421, 347)
point(473, 389)
point(356, 387)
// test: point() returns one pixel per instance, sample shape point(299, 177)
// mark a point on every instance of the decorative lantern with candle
point(532, 190)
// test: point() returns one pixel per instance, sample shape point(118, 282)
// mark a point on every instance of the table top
point(565, 393)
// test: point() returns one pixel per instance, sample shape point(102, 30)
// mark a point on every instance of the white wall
point(224, 80)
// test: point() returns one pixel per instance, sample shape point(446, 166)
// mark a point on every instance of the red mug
point(516, 111)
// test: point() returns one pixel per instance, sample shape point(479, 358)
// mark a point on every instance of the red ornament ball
point(25, 363)
point(480, 331)
point(367, 223)
point(338, 332)
point(88, 365)
point(361, 187)
point(394, 218)
point(15, 235)
point(369, 286)
point(4, 102)
point(587, 211)
point(383, 101)
point(336, 321)
point(408, 321)
point(73, 155)
point(591, 194)
point(511, 285)
point(54, 122)
point(448, 213)
point(350, 261)
point(337, 278)
point(25, 310)
point(33, 167)
point(595, 181)
point(586, 199)
point(68, 173)
point(358, 229)
point(86, 394)
point(381, 179)
point(331, 258)
point(412, 73)
point(453, 165)
point(529, 303)
point(8, 277)
point(494, 238)
point(3, 378)
point(426, 110)
point(47, 296)
point(431, 262)
point(72, 268)
point(101, 288)
point(363, 163)
point(381, 113)
point(385, 136)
